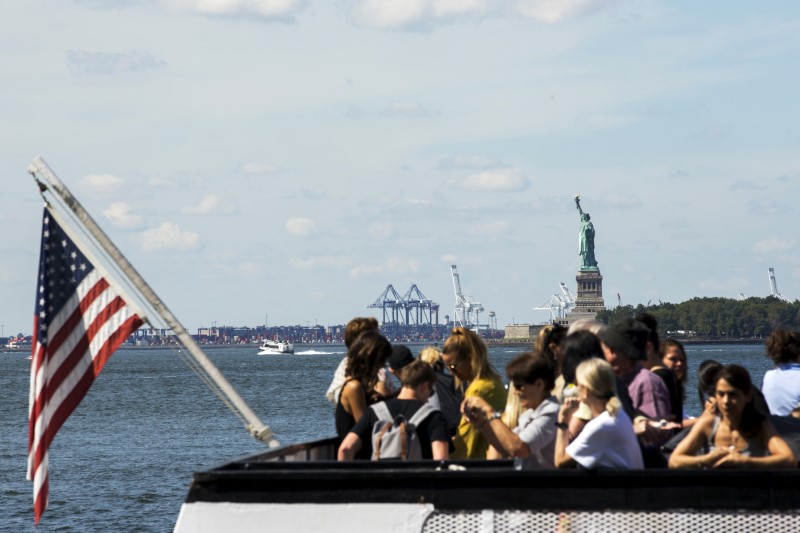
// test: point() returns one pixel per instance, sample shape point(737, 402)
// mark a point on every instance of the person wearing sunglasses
point(532, 440)
point(465, 354)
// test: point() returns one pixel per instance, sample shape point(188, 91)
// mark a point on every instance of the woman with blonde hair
point(464, 353)
point(608, 440)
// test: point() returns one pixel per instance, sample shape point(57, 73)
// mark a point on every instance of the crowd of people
point(588, 396)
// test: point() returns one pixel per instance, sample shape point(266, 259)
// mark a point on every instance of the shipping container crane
point(420, 310)
point(393, 306)
point(569, 300)
point(465, 306)
point(773, 286)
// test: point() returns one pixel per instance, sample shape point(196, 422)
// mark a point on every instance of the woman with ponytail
point(465, 354)
point(608, 440)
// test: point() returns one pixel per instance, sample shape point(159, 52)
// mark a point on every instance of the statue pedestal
point(590, 292)
point(589, 299)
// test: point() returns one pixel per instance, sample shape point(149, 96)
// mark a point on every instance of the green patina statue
point(586, 239)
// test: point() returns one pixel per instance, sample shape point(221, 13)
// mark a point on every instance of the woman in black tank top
point(365, 357)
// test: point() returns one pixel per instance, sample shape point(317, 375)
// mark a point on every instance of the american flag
point(80, 320)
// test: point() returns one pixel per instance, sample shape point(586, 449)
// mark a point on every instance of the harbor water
point(123, 461)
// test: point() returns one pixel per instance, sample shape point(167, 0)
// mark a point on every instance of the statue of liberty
point(586, 239)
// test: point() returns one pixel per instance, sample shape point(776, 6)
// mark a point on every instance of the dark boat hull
point(304, 478)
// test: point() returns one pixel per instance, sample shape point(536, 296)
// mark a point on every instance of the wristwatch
point(495, 416)
point(561, 425)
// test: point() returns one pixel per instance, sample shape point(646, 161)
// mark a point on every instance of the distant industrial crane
point(568, 298)
point(419, 310)
point(392, 304)
point(773, 286)
point(557, 305)
point(465, 306)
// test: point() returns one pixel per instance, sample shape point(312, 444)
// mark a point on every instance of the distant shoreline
point(684, 341)
point(511, 343)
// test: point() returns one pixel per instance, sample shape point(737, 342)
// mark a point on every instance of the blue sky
point(293, 158)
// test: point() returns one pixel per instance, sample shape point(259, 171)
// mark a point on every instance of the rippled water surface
point(124, 459)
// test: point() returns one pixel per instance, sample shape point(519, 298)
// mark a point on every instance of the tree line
point(715, 317)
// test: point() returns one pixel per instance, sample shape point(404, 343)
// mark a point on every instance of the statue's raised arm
point(578, 205)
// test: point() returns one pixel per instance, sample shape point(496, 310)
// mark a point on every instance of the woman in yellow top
point(464, 353)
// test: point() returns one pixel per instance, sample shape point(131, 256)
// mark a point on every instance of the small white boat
point(275, 347)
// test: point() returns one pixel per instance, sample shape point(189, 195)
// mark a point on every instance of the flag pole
point(257, 429)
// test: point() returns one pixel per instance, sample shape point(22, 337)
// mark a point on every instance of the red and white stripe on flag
point(80, 320)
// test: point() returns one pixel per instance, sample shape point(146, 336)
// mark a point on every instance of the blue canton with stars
point(62, 267)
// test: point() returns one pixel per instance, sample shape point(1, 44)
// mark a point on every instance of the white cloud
point(301, 226)
point(119, 213)
point(101, 183)
point(408, 109)
point(450, 258)
point(107, 63)
point(414, 14)
point(259, 168)
point(417, 202)
point(211, 204)
point(156, 181)
point(422, 15)
point(364, 270)
point(395, 265)
point(554, 11)
point(774, 244)
point(279, 10)
point(402, 265)
point(169, 237)
point(495, 180)
point(320, 262)
point(471, 162)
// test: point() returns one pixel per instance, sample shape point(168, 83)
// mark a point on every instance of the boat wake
point(315, 352)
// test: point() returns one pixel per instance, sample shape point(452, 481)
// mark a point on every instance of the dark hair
point(707, 379)
point(529, 367)
point(576, 348)
point(738, 378)
point(672, 343)
point(356, 327)
point(366, 356)
point(652, 324)
point(416, 373)
point(783, 346)
point(551, 333)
